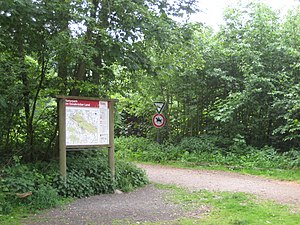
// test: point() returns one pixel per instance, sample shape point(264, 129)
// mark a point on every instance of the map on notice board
point(87, 122)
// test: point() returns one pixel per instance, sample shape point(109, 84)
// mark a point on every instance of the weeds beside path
point(280, 191)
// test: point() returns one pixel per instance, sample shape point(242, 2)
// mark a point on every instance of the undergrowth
point(213, 152)
point(30, 187)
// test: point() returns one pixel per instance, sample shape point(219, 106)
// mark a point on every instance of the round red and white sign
point(158, 120)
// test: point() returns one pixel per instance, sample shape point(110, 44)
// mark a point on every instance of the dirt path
point(146, 204)
point(280, 191)
point(149, 204)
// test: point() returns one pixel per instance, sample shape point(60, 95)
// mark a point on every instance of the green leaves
point(70, 47)
point(236, 81)
point(257, 65)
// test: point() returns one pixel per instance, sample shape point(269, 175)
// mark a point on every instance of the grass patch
point(230, 208)
point(15, 217)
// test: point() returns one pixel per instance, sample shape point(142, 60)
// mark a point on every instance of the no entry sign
point(158, 120)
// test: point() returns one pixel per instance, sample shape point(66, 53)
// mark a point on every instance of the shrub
point(44, 197)
point(292, 158)
point(88, 174)
point(204, 143)
point(129, 177)
point(5, 207)
point(76, 185)
point(19, 179)
point(135, 148)
point(208, 150)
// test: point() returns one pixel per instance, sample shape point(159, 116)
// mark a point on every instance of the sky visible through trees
point(211, 12)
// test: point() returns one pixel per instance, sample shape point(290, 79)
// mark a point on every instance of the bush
point(76, 185)
point(88, 174)
point(21, 179)
point(44, 197)
point(135, 148)
point(129, 177)
point(204, 143)
point(292, 158)
point(208, 150)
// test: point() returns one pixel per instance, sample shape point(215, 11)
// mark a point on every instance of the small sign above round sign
point(158, 120)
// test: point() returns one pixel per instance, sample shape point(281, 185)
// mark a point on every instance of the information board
point(87, 122)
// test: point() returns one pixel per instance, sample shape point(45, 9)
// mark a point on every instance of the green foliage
point(204, 143)
point(137, 148)
point(76, 185)
point(129, 177)
point(20, 179)
point(208, 150)
point(88, 174)
point(44, 197)
point(94, 48)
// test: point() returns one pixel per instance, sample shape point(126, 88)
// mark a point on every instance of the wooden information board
point(85, 123)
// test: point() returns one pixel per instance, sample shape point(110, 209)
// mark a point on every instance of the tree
point(68, 47)
point(257, 61)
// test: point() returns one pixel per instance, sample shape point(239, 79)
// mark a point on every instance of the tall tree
point(68, 47)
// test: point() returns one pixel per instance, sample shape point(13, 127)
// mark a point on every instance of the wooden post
point(62, 138)
point(111, 149)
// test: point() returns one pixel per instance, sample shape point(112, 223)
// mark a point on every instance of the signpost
point(85, 123)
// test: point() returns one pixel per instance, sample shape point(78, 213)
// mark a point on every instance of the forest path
point(148, 204)
point(281, 191)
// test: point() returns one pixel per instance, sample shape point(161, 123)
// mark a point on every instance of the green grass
point(225, 208)
point(15, 217)
point(18, 213)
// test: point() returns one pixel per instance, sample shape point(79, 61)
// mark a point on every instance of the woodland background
point(239, 84)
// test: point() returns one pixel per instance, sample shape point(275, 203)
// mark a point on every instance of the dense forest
point(238, 83)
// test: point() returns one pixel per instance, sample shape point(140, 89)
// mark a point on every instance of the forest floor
point(149, 203)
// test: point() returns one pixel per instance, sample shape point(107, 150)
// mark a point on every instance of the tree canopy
point(242, 81)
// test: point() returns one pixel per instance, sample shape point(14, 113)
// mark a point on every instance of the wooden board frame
point(63, 148)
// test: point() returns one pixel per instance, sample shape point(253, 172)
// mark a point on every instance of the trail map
point(87, 122)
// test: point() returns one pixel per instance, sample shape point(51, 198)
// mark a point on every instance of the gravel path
point(142, 205)
point(280, 191)
point(149, 204)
